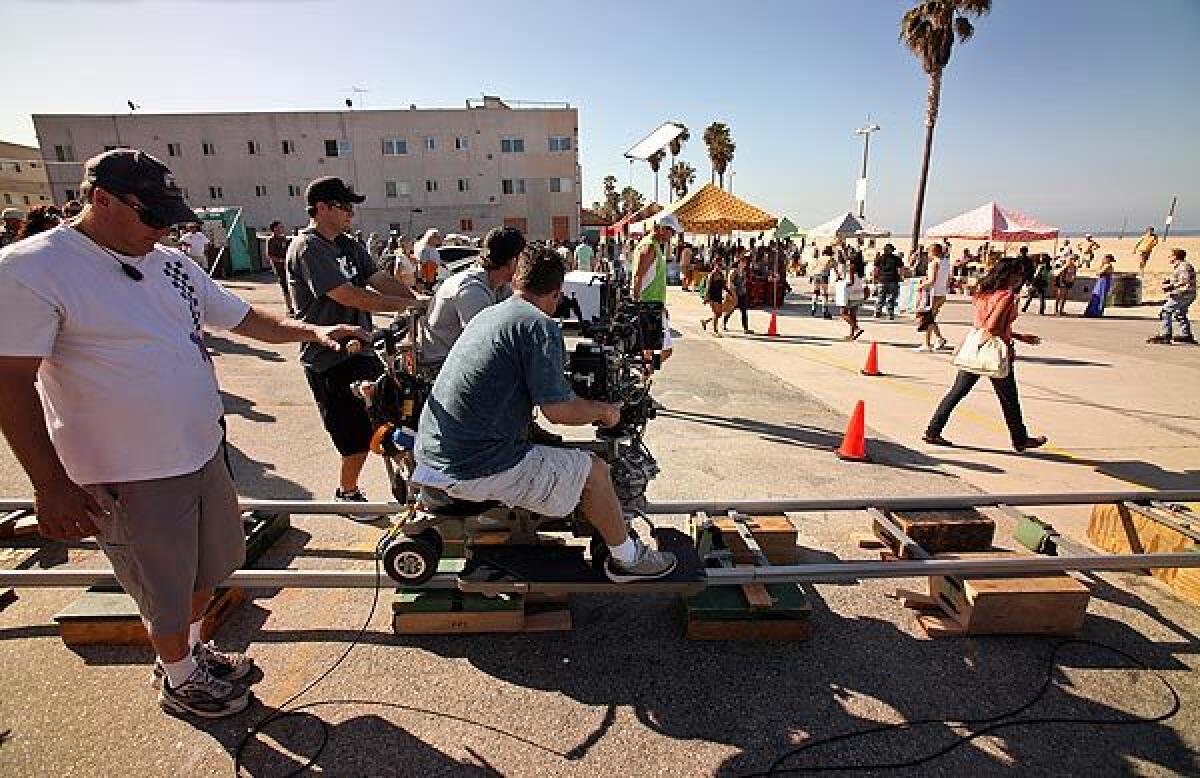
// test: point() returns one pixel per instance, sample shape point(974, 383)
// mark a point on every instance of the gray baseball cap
point(134, 172)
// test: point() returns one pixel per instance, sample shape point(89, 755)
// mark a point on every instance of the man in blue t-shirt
point(472, 441)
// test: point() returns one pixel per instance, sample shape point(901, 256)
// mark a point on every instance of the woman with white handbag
point(851, 290)
point(988, 351)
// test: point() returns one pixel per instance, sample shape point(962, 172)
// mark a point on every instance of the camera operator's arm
point(389, 285)
point(577, 411)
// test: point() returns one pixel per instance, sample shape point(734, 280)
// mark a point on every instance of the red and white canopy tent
point(993, 222)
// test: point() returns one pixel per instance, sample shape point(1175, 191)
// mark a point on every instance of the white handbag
point(983, 354)
point(849, 293)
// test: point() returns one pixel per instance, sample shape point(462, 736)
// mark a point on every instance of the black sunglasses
point(148, 217)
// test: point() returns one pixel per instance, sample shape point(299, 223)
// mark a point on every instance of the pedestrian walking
point(934, 290)
point(1063, 281)
point(714, 296)
point(888, 267)
point(1088, 250)
point(852, 291)
point(1144, 248)
point(1099, 298)
point(1040, 284)
point(737, 279)
point(1180, 288)
point(995, 305)
point(277, 253)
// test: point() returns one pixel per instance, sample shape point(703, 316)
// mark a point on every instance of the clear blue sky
point(1081, 112)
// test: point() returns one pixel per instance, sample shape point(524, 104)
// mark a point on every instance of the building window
point(431, 185)
point(430, 143)
point(64, 153)
point(560, 143)
point(25, 198)
point(466, 225)
point(462, 143)
point(71, 194)
point(561, 184)
point(215, 193)
point(16, 167)
point(394, 147)
point(288, 146)
point(252, 147)
point(337, 148)
point(403, 189)
point(293, 190)
point(512, 145)
point(512, 186)
point(173, 150)
point(209, 148)
point(260, 190)
point(8, 198)
point(464, 185)
point(389, 189)
point(519, 223)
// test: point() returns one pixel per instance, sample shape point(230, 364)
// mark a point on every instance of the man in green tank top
point(650, 273)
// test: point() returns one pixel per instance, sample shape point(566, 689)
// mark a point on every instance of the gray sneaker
point(204, 696)
point(356, 496)
point(222, 665)
point(648, 565)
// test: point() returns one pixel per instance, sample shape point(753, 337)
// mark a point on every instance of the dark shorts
point(344, 415)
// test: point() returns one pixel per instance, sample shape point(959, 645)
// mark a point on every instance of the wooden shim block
point(1121, 531)
point(551, 620)
point(726, 603)
point(262, 530)
point(449, 623)
point(941, 531)
point(867, 541)
point(775, 535)
point(936, 626)
point(916, 600)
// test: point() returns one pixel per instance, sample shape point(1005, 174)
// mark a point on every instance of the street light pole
point(864, 131)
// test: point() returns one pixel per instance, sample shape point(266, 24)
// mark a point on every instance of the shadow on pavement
point(243, 406)
point(222, 345)
point(882, 452)
point(256, 479)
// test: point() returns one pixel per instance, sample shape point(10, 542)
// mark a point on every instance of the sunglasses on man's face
point(148, 218)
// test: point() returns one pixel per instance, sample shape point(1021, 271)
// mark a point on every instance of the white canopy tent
point(848, 225)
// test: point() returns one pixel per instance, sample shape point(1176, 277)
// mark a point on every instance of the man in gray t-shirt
point(463, 295)
point(471, 440)
point(333, 280)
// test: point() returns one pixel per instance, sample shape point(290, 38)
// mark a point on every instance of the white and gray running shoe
point(356, 496)
point(222, 665)
point(204, 696)
point(648, 565)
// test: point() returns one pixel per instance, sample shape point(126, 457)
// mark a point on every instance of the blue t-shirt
point(508, 359)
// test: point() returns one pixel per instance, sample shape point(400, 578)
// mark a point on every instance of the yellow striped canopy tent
point(713, 211)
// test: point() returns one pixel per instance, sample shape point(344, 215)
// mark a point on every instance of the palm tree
point(631, 200)
point(676, 145)
point(720, 149)
point(612, 200)
point(655, 162)
point(929, 31)
point(681, 176)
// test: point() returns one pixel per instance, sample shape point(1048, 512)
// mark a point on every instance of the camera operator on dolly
point(471, 442)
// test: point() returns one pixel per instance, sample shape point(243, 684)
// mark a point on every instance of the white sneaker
point(923, 349)
point(648, 565)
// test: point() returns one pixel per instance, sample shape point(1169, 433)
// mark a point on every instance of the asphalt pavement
point(624, 692)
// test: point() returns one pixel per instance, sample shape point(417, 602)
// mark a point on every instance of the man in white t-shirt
point(934, 289)
point(195, 243)
point(109, 401)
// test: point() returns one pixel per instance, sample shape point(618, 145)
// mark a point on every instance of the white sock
point(194, 633)
point(626, 553)
point(178, 672)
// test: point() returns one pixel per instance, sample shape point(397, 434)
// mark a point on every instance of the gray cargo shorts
point(169, 537)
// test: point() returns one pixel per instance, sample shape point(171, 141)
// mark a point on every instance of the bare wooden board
point(1114, 528)
point(775, 535)
point(786, 629)
point(107, 618)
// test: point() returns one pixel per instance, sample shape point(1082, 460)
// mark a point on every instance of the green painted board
point(453, 601)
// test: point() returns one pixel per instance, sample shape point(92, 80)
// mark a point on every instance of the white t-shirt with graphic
point(126, 382)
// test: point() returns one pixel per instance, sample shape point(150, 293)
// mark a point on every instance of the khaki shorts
point(548, 481)
point(169, 537)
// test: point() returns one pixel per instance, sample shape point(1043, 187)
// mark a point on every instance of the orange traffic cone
point(872, 366)
point(773, 327)
point(854, 444)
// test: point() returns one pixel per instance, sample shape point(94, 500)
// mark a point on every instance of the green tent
point(786, 229)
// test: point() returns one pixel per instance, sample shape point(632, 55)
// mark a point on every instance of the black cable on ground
point(986, 725)
point(283, 712)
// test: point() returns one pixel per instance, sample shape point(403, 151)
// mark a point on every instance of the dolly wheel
point(433, 539)
point(410, 561)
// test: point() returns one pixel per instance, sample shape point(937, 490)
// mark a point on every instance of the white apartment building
point(460, 170)
point(22, 177)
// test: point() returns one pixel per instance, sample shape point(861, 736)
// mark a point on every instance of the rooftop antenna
point(358, 93)
point(132, 105)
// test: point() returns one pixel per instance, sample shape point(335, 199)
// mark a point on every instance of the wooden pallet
point(751, 611)
point(1053, 604)
point(947, 531)
point(1116, 529)
point(109, 617)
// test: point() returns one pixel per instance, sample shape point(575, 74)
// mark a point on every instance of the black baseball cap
point(331, 189)
point(134, 172)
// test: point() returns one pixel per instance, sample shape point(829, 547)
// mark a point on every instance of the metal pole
point(813, 573)
point(782, 505)
point(1170, 218)
point(862, 204)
